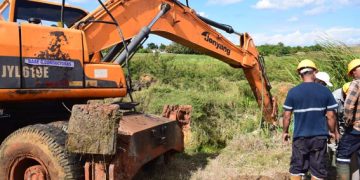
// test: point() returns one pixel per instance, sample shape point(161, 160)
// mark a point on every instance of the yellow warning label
point(75, 83)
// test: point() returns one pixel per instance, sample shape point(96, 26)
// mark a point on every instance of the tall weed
point(223, 103)
point(335, 57)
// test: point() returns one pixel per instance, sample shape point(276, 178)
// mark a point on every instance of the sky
point(292, 22)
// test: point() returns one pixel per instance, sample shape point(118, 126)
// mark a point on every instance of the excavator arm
point(172, 20)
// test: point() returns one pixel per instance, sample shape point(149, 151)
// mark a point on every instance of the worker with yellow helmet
point(309, 101)
point(305, 65)
point(340, 96)
point(353, 66)
point(345, 88)
point(350, 141)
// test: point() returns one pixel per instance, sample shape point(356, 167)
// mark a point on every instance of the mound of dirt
point(280, 91)
point(145, 81)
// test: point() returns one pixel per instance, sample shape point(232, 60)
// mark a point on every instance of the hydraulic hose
point(145, 31)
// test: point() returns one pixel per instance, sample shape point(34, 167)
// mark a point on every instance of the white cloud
point(298, 38)
point(318, 10)
point(293, 19)
point(203, 14)
point(223, 2)
point(285, 4)
point(313, 7)
point(264, 4)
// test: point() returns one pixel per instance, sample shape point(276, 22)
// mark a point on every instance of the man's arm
point(286, 124)
point(331, 121)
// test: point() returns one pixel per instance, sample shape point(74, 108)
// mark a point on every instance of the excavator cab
point(37, 58)
point(39, 12)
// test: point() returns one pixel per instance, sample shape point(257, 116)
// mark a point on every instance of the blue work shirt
point(309, 101)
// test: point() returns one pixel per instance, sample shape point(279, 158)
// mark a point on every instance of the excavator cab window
point(5, 12)
point(46, 13)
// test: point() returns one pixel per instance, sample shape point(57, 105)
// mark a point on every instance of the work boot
point(343, 171)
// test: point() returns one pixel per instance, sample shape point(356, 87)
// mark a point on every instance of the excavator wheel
point(63, 125)
point(37, 152)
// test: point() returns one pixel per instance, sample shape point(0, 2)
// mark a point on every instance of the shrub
point(176, 48)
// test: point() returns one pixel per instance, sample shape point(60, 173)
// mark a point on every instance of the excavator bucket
point(182, 114)
point(131, 139)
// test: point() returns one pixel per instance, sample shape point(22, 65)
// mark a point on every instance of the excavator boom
point(172, 20)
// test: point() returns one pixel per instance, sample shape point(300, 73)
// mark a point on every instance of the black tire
point(38, 145)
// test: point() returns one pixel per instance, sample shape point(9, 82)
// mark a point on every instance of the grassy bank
point(226, 139)
point(223, 104)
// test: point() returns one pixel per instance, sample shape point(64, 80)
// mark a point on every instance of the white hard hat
point(323, 76)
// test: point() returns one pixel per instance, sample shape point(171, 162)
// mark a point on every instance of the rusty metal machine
point(56, 64)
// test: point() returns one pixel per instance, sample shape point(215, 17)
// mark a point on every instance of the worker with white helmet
point(350, 141)
point(323, 78)
point(310, 102)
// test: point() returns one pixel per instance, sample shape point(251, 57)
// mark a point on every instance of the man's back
point(309, 102)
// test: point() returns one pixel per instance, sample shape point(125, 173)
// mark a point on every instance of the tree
point(179, 49)
point(280, 49)
point(162, 47)
point(152, 46)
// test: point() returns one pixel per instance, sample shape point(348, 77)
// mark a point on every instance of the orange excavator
point(54, 58)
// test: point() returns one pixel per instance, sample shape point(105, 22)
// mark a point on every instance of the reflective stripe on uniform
point(342, 160)
point(308, 110)
point(300, 174)
point(332, 106)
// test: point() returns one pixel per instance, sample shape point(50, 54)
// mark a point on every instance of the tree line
point(174, 48)
point(278, 50)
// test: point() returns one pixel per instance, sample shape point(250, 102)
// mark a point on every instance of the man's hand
point(285, 137)
point(331, 121)
point(286, 123)
point(334, 137)
point(337, 135)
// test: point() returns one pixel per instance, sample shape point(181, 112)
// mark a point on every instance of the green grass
point(223, 103)
point(225, 114)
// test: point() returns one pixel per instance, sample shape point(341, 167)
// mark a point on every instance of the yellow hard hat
point(306, 63)
point(352, 65)
point(345, 87)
